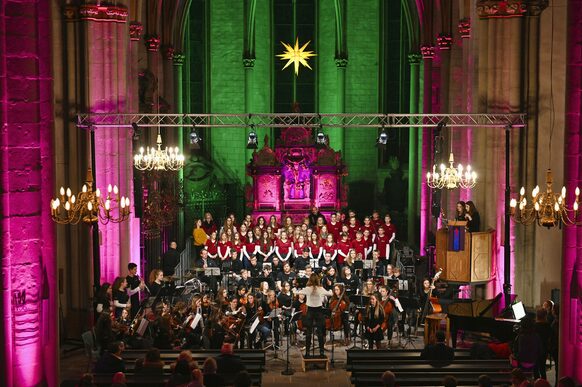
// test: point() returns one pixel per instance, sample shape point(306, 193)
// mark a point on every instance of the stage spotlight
point(194, 138)
point(136, 131)
point(320, 138)
point(382, 139)
point(252, 139)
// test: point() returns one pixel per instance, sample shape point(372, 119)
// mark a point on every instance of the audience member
point(388, 379)
point(518, 378)
point(243, 379)
point(438, 354)
point(485, 381)
point(211, 378)
point(111, 361)
point(181, 376)
point(566, 381)
point(118, 380)
point(450, 381)
point(197, 379)
point(542, 383)
point(229, 364)
point(86, 381)
point(153, 363)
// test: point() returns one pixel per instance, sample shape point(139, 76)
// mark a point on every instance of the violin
point(243, 300)
point(388, 308)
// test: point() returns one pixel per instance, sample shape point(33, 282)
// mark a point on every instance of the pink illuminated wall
point(571, 292)
point(29, 307)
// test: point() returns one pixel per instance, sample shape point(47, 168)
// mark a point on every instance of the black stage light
point(252, 139)
point(382, 139)
point(194, 138)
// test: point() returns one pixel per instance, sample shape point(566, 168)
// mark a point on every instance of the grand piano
point(481, 316)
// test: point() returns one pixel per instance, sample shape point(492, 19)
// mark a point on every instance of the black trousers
point(314, 320)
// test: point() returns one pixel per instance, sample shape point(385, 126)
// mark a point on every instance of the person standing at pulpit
point(460, 211)
point(472, 217)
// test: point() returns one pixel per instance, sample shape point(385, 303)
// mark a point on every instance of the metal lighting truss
point(305, 120)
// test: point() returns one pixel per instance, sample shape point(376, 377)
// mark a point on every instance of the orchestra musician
point(315, 294)
point(254, 311)
point(103, 300)
point(205, 262)
point(329, 278)
point(390, 312)
point(369, 288)
point(373, 320)
point(351, 282)
point(192, 337)
point(285, 299)
point(134, 286)
point(120, 296)
point(339, 318)
point(155, 283)
point(245, 280)
point(234, 319)
point(269, 305)
point(302, 261)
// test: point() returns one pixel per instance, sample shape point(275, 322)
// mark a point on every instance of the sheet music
point(254, 325)
point(398, 305)
point(195, 321)
point(142, 326)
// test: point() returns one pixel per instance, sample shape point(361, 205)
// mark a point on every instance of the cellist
point(339, 305)
point(389, 318)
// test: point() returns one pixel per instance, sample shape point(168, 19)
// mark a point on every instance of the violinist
point(314, 320)
point(254, 311)
point(120, 296)
point(235, 316)
point(193, 336)
point(242, 295)
point(329, 278)
point(269, 305)
point(267, 276)
point(299, 304)
point(339, 305)
point(285, 299)
point(222, 298)
point(263, 292)
point(373, 320)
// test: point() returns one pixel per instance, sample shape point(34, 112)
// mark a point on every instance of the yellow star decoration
point(296, 55)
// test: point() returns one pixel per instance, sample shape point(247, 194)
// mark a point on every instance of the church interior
point(179, 180)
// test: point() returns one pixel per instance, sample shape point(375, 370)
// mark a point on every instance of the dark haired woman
point(120, 296)
point(472, 216)
point(460, 211)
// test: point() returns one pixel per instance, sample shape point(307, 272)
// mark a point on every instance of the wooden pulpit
point(464, 256)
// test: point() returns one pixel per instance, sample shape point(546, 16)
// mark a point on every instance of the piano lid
point(482, 308)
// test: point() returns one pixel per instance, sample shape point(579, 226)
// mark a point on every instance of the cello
point(338, 306)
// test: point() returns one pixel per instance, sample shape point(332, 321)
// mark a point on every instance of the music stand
point(293, 317)
point(314, 263)
point(409, 304)
point(360, 301)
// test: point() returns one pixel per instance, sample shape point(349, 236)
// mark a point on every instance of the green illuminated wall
point(351, 74)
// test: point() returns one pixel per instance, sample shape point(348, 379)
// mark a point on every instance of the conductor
point(315, 294)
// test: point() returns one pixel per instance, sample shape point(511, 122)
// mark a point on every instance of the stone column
point(425, 193)
point(414, 62)
point(28, 304)
point(341, 65)
point(571, 292)
point(178, 61)
point(249, 65)
point(107, 47)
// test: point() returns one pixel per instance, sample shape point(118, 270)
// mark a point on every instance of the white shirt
point(315, 296)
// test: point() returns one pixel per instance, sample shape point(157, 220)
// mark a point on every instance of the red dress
point(212, 247)
point(223, 249)
point(314, 247)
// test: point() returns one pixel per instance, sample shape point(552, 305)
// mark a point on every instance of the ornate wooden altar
point(295, 176)
point(465, 257)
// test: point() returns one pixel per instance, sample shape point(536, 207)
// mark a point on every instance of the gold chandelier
point(89, 206)
point(547, 208)
point(451, 177)
point(168, 159)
